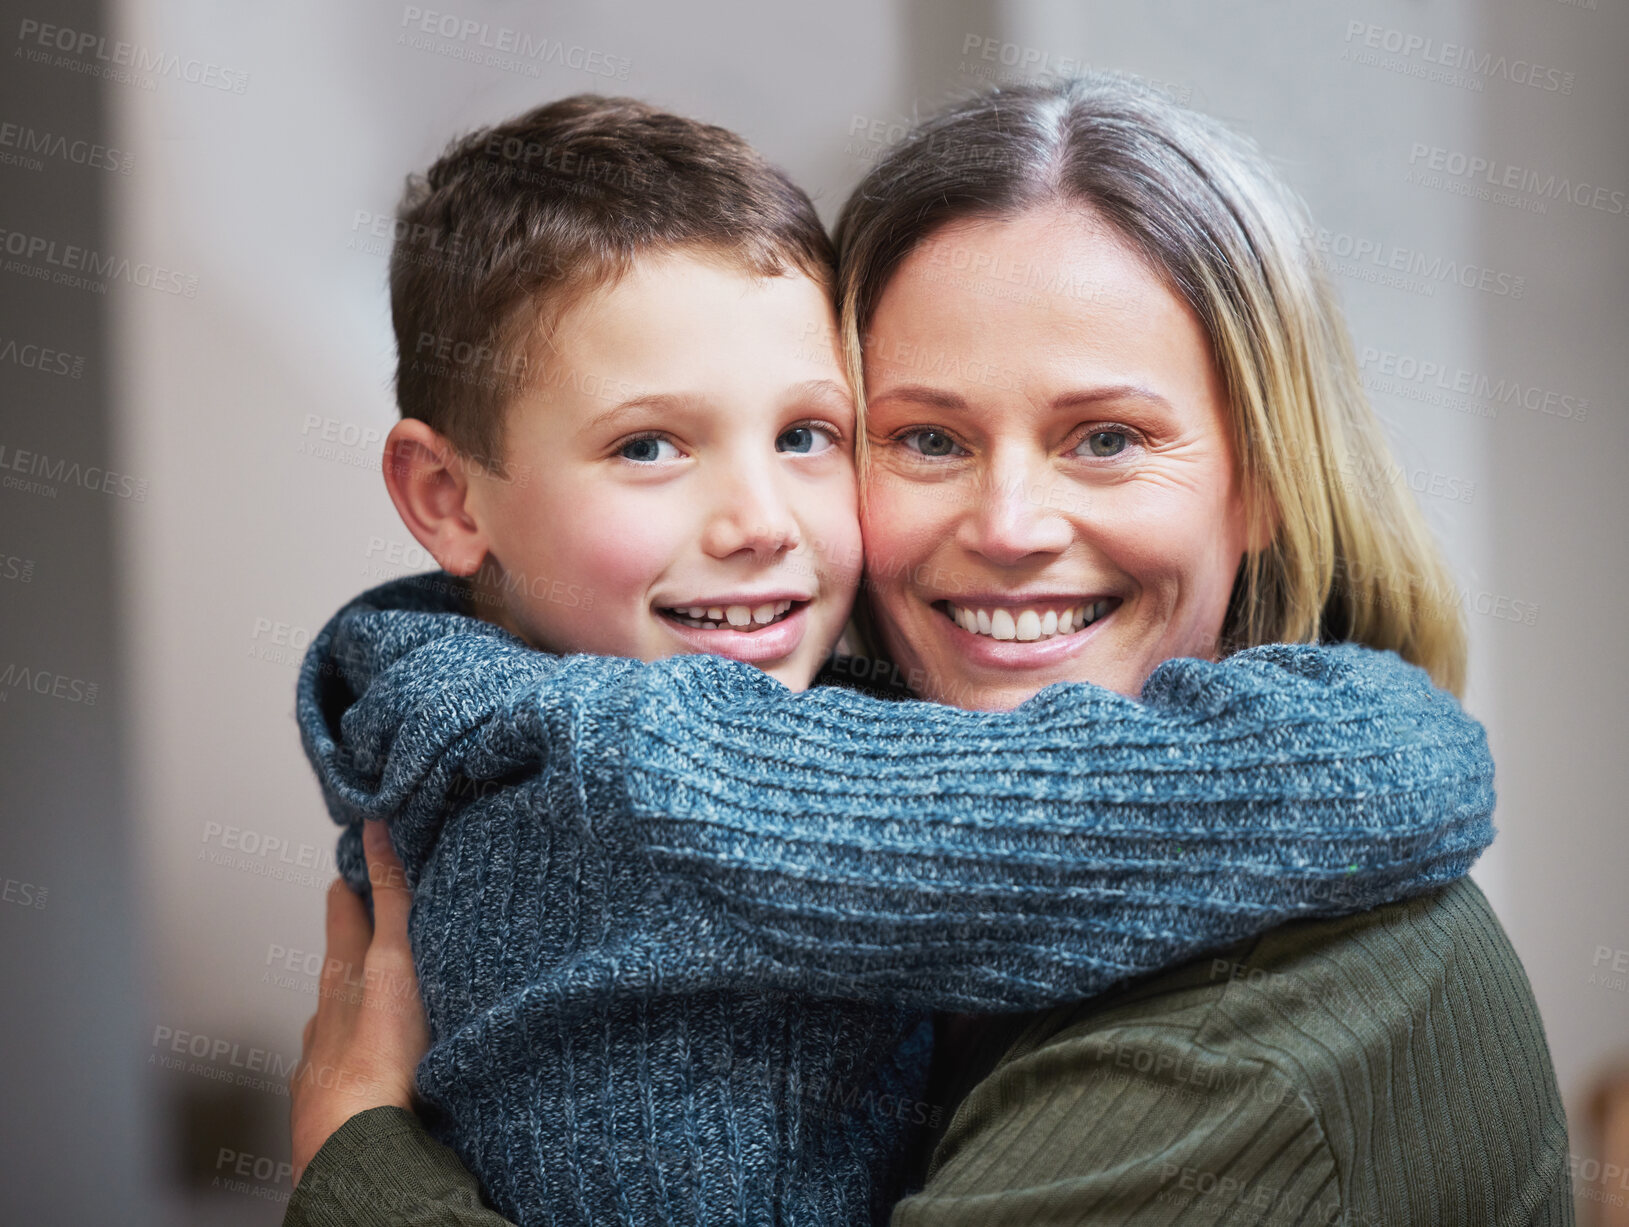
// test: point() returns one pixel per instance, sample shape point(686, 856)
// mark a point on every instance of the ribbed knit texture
point(1382, 1070)
point(676, 926)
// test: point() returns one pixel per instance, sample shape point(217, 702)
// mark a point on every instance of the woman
point(1097, 365)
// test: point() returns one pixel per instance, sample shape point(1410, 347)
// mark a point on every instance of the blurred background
point(195, 363)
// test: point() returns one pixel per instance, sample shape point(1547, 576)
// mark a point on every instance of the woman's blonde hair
point(1350, 556)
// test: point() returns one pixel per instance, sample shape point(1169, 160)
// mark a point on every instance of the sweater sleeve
point(949, 859)
point(382, 1168)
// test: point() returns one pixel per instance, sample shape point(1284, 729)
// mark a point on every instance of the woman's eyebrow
point(941, 398)
point(921, 393)
point(1120, 391)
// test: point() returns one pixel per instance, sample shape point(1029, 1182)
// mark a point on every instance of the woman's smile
point(1025, 619)
point(1024, 634)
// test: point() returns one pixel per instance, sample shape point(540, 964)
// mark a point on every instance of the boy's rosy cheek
point(623, 548)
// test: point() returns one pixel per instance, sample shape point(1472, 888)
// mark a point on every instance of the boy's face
point(683, 449)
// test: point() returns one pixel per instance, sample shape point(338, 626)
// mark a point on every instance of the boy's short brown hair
point(515, 221)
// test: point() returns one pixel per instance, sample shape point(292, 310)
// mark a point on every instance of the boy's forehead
point(683, 311)
point(668, 275)
point(684, 334)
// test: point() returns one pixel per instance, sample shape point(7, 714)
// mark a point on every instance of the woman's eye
point(1105, 442)
point(806, 440)
point(648, 450)
point(930, 441)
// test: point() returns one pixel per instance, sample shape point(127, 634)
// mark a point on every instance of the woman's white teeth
point(1027, 624)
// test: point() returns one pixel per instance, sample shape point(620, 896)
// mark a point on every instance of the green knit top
point(1388, 1068)
point(1385, 1069)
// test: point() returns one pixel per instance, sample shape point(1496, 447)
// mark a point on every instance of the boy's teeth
point(717, 617)
point(1026, 625)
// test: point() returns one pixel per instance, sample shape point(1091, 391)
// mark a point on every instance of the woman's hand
point(365, 1040)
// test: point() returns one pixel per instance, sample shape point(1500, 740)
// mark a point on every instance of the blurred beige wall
point(254, 406)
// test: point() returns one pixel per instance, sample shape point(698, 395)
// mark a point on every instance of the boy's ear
point(428, 481)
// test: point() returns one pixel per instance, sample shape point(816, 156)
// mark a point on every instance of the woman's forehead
point(1046, 302)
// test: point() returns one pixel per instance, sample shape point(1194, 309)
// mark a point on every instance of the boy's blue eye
point(647, 450)
point(804, 439)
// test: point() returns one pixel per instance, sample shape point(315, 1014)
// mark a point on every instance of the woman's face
point(1052, 493)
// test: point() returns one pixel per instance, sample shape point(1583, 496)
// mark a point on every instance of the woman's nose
point(750, 513)
point(1015, 512)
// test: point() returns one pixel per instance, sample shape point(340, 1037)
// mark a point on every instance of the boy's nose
point(750, 515)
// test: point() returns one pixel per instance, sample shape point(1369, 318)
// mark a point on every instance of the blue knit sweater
point(677, 928)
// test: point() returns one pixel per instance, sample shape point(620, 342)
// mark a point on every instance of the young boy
point(624, 406)
point(699, 994)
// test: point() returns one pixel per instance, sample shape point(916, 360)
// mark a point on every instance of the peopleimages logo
point(45, 682)
point(94, 478)
point(88, 52)
point(1398, 369)
point(1415, 271)
point(1477, 65)
point(27, 141)
point(1502, 175)
point(80, 267)
point(502, 47)
point(1000, 61)
point(41, 358)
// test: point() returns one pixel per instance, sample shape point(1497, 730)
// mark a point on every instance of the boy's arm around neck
point(916, 853)
point(979, 861)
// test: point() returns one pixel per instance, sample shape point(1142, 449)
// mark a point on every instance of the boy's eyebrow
point(827, 389)
point(644, 400)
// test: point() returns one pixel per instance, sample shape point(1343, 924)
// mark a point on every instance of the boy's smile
point(683, 454)
point(750, 629)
